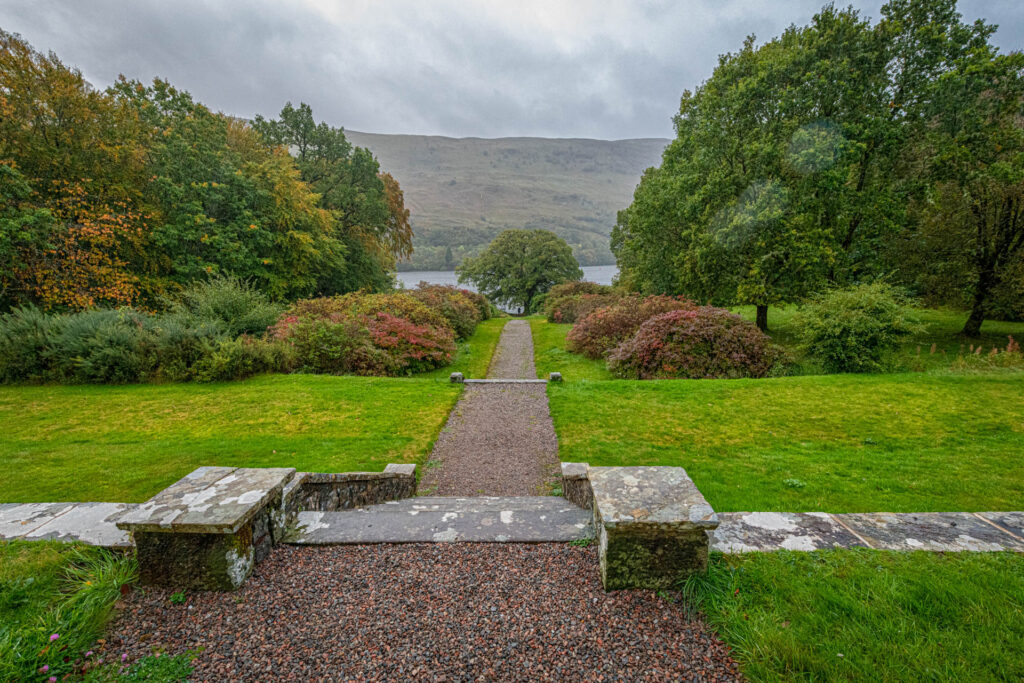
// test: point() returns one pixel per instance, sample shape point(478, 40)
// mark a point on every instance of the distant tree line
point(840, 153)
point(125, 195)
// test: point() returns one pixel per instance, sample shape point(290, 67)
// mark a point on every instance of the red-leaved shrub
point(605, 328)
point(458, 309)
point(697, 343)
point(571, 301)
point(413, 348)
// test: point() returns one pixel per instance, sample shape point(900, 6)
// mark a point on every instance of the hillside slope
point(462, 192)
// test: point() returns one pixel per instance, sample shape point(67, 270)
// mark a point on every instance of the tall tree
point(367, 206)
point(519, 266)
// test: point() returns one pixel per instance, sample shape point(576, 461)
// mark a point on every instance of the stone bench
point(208, 530)
point(652, 526)
point(316, 492)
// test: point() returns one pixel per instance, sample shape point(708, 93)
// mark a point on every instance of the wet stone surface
point(91, 523)
point(939, 531)
point(525, 519)
point(1009, 521)
point(740, 532)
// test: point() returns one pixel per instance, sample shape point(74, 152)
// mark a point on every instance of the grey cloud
point(573, 69)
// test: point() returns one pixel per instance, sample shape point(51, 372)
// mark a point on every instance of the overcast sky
point(461, 68)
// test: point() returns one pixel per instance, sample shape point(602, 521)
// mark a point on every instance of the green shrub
point(177, 343)
point(245, 356)
point(102, 346)
point(412, 348)
point(26, 335)
point(400, 305)
point(233, 305)
point(572, 301)
point(696, 343)
point(458, 310)
point(342, 347)
point(854, 329)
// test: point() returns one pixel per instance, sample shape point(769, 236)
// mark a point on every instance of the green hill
point(462, 192)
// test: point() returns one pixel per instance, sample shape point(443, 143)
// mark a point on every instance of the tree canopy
point(799, 164)
point(120, 196)
point(519, 266)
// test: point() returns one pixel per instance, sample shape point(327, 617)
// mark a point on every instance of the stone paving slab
point(649, 496)
point(209, 500)
point(91, 523)
point(741, 532)
point(938, 531)
point(1010, 521)
point(496, 521)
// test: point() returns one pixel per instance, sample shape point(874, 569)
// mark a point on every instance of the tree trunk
point(762, 317)
point(972, 328)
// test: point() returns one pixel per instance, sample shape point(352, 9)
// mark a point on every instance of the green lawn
point(869, 615)
point(474, 355)
point(125, 443)
point(943, 330)
point(549, 354)
point(838, 443)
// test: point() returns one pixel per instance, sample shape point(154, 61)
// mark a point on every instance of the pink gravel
point(431, 612)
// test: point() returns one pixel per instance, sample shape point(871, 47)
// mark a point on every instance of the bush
point(605, 328)
point(572, 301)
point(458, 310)
point(483, 305)
point(102, 346)
point(697, 343)
point(233, 305)
point(413, 348)
point(26, 335)
point(400, 305)
point(177, 343)
point(853, 329)
point(336, 347)
point(245, 356)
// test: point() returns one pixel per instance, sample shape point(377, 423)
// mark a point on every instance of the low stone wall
point(575, 485)
point(316, 492)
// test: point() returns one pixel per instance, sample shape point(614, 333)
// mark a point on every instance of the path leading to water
point(499, 440)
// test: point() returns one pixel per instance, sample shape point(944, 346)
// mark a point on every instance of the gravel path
point(513, 358)
point(499, 439)
point(453, 612)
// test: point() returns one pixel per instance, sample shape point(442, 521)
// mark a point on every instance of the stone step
point(91, 523)
point(482, 503)
point(528, 519)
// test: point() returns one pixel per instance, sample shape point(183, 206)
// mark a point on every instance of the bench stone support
point(576, 486)
point(652, 525)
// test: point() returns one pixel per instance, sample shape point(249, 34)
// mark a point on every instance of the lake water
point(600, 274)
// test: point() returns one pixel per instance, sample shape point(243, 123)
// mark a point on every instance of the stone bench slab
point(649, 496)
point(741, 532)
point(937, 531)
point(210, 500)
point(90, 523)
point(1012, 522)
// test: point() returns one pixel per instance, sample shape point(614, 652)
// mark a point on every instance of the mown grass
point(55, 601)
point(942, 329)
point(868, 615)
point(549, 354)
point(838, 443)
point(474, 354)
point(126, 443)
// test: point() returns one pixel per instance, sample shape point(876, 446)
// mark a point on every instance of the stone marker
point(575, 485)
point(555, 377)
point(209, 529)
point(456, 378)
point(652, 525)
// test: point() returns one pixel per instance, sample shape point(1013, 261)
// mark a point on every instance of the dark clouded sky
point(460, 68)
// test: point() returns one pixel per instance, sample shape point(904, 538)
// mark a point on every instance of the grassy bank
point(549, 354)
point(868, 615)
point(125, 443)
point(839, 443)
point(55, 600)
